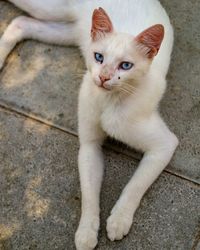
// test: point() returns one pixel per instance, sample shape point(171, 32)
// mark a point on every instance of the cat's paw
point(118, 225)
point(86, 236)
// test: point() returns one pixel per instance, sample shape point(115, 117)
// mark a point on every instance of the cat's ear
point(151, 40)
point(101, 24)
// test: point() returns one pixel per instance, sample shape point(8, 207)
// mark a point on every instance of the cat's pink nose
point(104, 79)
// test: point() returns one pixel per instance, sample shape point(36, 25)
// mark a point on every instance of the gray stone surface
point(41, 79)
point(46, 83)
point(181, 105)
point(7, 13)
point(44, 80)
point(40, 196)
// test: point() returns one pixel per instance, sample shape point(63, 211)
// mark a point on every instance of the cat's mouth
point(103, 86)
point(106, 88)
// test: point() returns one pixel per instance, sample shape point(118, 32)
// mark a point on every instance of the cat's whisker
point(129, 90)
point(130, 85)
point(124, 89)
point(136, 90)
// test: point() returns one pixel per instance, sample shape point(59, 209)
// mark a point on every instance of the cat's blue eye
point(98, 57)
point(126, 65)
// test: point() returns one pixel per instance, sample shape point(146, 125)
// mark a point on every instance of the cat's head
point(117, 60)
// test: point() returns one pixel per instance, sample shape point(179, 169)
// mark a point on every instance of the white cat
point(119, 95)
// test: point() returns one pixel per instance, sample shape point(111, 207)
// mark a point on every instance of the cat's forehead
point(117, 45)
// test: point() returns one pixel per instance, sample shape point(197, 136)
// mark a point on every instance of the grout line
point(137, 157)
point(182, 176)
point(36, 118)
point(71, 132)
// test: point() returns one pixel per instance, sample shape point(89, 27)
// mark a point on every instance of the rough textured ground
point(40, 194)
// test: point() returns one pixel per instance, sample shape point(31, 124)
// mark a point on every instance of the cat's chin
point(104, 88)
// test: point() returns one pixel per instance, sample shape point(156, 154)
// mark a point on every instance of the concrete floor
point(40, 194)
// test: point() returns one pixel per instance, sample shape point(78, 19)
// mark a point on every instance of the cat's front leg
point(91, 168)
point(162, 144)
point(91, 173)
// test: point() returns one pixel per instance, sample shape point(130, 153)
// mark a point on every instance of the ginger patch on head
point(151, 39)
point(101, 24)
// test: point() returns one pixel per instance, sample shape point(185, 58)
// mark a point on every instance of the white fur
point(129, 115)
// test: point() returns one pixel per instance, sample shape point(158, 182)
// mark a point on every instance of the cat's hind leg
point(28, 28)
